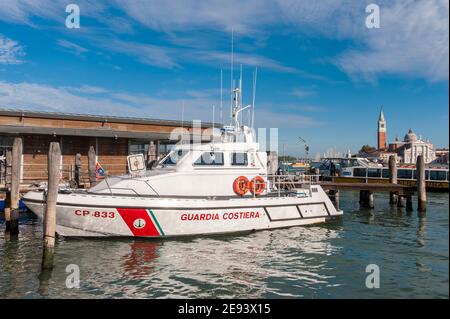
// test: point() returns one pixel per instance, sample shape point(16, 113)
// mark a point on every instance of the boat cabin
point(195, 170)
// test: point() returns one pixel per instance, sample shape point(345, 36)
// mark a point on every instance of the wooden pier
point(368, 189)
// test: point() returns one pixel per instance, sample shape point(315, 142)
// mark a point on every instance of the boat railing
point(288, 182)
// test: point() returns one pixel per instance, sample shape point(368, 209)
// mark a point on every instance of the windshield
point(173, 157)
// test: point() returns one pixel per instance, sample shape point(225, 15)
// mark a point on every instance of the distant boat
point(436, 177)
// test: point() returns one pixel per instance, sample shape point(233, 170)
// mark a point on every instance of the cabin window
point(386, 173)
point(239, 159)
point(438, 175)
point(374, 172)
point(405, 173)
point(173, 158)
point(210, 158)
point(359, 172)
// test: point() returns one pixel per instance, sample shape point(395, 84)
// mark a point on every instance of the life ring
point(257, 185)
point(241, 185)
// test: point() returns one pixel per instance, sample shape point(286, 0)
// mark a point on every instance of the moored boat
point(197, 189)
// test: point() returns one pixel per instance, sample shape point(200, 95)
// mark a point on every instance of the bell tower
point(381, 131)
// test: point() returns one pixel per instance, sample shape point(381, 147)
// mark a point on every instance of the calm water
point(327, 261)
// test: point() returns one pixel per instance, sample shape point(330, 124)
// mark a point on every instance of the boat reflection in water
point(223, 266)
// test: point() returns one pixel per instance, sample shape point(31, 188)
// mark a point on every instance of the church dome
point(410, 137)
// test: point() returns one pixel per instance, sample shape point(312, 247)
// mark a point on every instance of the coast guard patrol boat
point(197, 189)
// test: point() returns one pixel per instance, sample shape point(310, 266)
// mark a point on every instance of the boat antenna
point(182, 114)
point(255, 75)
point(240, 88)
point(214, 119)
point(231, 73)
point(221, 95)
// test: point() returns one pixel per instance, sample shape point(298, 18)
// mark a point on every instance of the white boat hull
point(106, 215)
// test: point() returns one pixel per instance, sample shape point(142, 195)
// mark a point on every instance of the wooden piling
point(92, 162)
point(370, 202)
point(392, 178)
point(16, 164)
point(336, 199)
point(409, 204)
point(400, 202)
point(421, 190)
point(78, 169)
point(7, 208)
point(54, 173)
point(366, 199)
point(362, 194)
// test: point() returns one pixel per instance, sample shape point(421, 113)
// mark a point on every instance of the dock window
point(210, 158)
point(239, 159)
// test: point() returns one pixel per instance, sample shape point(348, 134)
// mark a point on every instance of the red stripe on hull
point(139, 222)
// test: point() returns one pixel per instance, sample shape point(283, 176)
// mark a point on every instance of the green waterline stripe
point(156, 222)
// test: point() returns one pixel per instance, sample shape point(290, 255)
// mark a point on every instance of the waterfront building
point(406, 151)
point(442, 156)
point(413, 146)
point(113, 138)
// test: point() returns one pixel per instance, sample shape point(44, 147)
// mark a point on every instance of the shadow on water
point(322, 261)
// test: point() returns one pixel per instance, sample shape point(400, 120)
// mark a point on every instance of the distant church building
point(406, 151)
point(411, 147)
point(381, 131)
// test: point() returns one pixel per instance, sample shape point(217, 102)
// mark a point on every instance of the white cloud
point(25, 11)
point(412, 42)
point(303, 92)
point(10, 51)
point(72, 47)
point(88, 89)
point(33, 96)
point(172, 57)
point(144, 53)
point(181, 15)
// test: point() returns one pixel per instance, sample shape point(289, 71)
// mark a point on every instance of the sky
point(323, 74)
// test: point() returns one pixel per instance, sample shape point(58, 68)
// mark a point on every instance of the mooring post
point(370, 203)
point(54, 173)
point(421, 190)
point(409, 204)
point(400, 202)
point(336, 199)
point(78, 169)
point(16, 164)
point(367, 199)
point(392, 178)
point(92, 162)
point(7, 210)
point(333, 194)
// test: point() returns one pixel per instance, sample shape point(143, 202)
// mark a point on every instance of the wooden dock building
point(113, 138)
